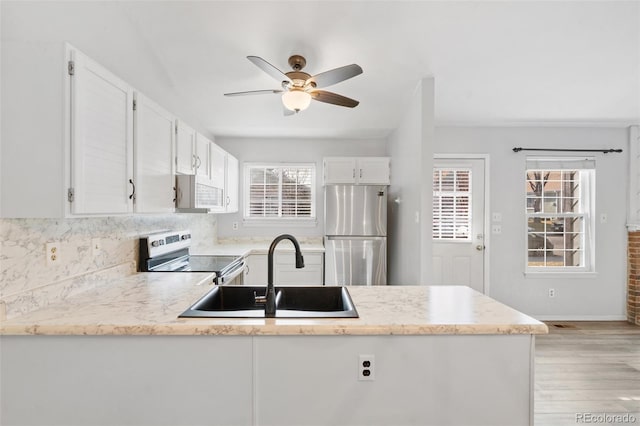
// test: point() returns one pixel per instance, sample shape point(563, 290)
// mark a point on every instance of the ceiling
point(493, 63)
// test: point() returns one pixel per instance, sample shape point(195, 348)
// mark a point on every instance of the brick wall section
point(633, 280)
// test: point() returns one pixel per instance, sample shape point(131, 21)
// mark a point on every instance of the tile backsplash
point(26, 279)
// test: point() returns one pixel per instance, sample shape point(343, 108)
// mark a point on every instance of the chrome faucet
point(270, 298)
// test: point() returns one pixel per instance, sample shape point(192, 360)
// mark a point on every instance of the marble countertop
point(149, 304)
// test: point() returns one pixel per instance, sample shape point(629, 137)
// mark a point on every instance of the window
point(559, 214)
point(451, 204)
point(279, 191)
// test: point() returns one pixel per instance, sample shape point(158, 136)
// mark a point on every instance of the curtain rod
point(604, 151)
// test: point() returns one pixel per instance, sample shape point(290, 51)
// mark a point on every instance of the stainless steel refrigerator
point(355, 241)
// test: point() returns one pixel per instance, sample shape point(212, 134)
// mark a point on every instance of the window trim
point(586, 166)
point(288, 221)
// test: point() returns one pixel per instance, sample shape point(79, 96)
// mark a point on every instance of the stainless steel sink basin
point(291, 302)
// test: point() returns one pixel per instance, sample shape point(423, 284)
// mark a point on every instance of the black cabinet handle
point(133, 194)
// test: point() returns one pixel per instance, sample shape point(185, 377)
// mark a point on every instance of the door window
point(452, 204)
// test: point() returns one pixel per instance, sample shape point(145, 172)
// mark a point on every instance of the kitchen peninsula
point(118, 354)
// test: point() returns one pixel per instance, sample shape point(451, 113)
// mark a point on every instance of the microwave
point(198, 194)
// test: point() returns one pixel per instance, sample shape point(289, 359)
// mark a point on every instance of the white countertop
point(149, 304)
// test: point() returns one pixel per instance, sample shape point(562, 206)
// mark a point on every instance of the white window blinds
point(279, 191)
point(451, 203)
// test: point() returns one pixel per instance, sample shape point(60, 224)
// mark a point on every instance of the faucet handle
point(259, 300)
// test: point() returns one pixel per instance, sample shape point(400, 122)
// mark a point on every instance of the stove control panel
point(154, 245)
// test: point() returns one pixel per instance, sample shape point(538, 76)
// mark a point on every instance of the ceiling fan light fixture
point(296, 100)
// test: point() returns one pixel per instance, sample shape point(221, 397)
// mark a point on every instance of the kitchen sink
point(322, 302)
point(291, 302)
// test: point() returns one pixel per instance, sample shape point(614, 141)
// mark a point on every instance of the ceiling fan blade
point(333, 98)
point(254, 92)
point(268, 68)
point(336, 75)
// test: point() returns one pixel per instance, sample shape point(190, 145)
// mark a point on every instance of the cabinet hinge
point(71, 67)
point(70, 195)
point(135, 104)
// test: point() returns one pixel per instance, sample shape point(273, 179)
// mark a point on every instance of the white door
point(101, 140)
point(153, 157)
point(458, 222)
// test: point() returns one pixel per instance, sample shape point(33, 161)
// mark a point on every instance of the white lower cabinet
point(284, 269)
point(286, 273)
point(255, 272)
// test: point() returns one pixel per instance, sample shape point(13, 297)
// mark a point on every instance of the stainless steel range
point(169, 252)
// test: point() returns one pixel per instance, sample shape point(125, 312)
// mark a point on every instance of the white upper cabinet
point(217, 162)
point(357, 170)
point(185, 149)
point(374, 170)
point(232, 183)
point(101, 140)
point(203, 152)
point(339, 170)
point(153, 154)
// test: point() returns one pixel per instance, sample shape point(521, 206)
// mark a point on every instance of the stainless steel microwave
point(198, 194)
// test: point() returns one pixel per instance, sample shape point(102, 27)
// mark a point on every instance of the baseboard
point(580, 317)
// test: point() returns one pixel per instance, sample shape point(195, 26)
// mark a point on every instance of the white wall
point(599, 296)
point(289, 150)
point(411, 149)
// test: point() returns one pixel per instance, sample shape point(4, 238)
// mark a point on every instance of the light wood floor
point(587, 367)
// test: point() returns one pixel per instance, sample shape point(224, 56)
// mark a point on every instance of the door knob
point(479, 247)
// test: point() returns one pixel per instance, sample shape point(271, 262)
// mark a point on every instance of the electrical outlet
point(96, 246)
point(234, 226)
point(366, 368)
point(52, 253)
point(552, 292)
point(603, 218)
point(496, 217)
point(496, 229)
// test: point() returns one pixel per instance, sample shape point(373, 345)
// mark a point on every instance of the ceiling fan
point(298, 87)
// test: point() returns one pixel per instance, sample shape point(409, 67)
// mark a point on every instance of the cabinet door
point(101, 140)
point(374, 170)
point(286, 273)
point(256, 270)
point(232, 183)
point(203, 147)
point(153, 157)
point(185, 149)
point(217, 162)
point(339, 170)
